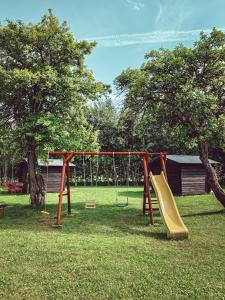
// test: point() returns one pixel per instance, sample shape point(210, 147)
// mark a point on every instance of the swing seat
point(90, 204)
point(122, 204)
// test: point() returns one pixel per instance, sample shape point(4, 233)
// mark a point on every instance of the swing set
point(65, 176)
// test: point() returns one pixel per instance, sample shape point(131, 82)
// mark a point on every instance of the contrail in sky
point(148, 37)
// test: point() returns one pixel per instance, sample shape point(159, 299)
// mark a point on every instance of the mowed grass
point(110, 252)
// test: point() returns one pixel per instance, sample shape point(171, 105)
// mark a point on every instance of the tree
point(45, 88)
point(181, 93)
point(104, 119)
point(10, 153)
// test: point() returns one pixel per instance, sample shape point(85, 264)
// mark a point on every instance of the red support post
point(147, 189)
point(61, 192)
point(164, 157)
point(68, 188)
point(163, 164)
point(144, 197)
point(66, 161)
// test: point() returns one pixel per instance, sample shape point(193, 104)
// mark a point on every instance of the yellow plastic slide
point(168, 209)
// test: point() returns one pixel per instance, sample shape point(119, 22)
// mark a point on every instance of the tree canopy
point(45, 85)
point(180, 93)
point(45, 88)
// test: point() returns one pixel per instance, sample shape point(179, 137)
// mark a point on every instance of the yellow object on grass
point(45, 213)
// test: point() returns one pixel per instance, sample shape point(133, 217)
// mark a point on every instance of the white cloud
point(148, 37)
point(172, 12)
point(159, 14)
point(136, 5)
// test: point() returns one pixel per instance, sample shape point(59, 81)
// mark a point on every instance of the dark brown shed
point(186, 174)
point(54, 168)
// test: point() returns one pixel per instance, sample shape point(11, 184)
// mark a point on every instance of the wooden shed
point(186, 174)
point(54, 173)
point(54, 168)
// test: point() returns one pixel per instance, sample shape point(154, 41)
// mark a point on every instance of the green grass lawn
point(110, 252)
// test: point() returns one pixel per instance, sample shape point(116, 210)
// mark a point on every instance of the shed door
point(193, 180)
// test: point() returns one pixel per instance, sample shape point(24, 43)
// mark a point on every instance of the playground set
point(167, 205)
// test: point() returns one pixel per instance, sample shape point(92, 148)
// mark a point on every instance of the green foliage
point(180, 92)
point(115, 133)
point(103, 117)
point(45, 86)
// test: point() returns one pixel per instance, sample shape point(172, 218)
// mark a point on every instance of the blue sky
point(124, 29)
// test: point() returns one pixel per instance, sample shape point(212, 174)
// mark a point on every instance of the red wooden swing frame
point(67, 157)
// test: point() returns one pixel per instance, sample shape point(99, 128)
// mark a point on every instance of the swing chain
point(44, 212)
point(115, 176)
point(128, 171)
point(47, 175)
point(84, 173)
point(97, 169)
point(91, 175)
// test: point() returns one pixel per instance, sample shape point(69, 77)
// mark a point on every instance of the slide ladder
point(168, 209)
point(146, 205)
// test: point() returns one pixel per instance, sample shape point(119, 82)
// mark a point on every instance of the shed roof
point(187, 159)
point(52, 163)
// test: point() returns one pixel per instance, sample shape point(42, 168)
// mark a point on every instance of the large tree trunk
point(5, 170)
point(212, 177)
point(36, 183)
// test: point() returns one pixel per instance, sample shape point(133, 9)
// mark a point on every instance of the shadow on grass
point(131, 194)
point(105, 219)
point(154, 234)
point(206, 213)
